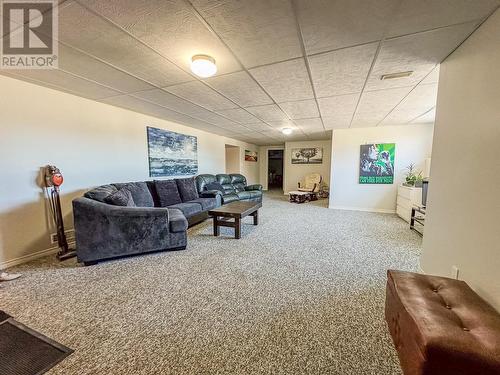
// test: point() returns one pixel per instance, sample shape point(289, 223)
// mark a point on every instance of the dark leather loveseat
point(138, 217)
point(230, 187)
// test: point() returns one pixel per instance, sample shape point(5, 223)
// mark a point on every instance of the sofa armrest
point(104, 231)
point(210, 193)
point(253, 187)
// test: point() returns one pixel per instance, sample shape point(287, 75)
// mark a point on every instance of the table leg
point(237, 228)
point(256, 217)
point(216, 226)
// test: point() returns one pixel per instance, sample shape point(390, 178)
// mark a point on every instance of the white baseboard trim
point(30, 257)
point(377, 210)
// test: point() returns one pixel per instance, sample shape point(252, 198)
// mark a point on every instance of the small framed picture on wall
point(251, 155)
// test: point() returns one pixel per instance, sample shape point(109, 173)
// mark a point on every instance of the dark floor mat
point(26, 352)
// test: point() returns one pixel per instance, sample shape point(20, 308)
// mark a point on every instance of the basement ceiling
point(312, 65)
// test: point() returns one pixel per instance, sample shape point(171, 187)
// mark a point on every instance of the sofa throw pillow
point(101, 192)
point(214, 186)
point(167, 192)
point(140, 193)
point(187, 189)
point(122, 197)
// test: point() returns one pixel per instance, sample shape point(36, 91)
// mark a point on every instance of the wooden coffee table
point(235, 210)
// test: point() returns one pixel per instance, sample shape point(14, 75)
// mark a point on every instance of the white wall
point(294, 173)
point(413, 145)
point(92, 143)
point(464, 191)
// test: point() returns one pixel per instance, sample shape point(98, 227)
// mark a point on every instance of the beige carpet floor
point(301, 293)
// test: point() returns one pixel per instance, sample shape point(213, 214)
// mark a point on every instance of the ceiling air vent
point(396, 75)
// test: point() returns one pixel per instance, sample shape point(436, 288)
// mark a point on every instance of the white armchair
point(311, 183)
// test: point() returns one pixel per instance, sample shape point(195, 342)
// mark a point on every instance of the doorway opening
point(275, 169)
point(233, 159)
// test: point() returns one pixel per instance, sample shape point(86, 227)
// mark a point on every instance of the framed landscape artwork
point(308, 155)
point(376, 163)
point(171, 154)
point(250, 155)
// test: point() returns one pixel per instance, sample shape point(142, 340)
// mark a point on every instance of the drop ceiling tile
point(381, 100)
point(75, 62)
point(375, 105)
point(310, 124)
point(268, 112)
point(224, 132)
point(319, 135)
point(259, 126)
point(338, 105)
point(367, 119)
point(420, 100)
point(141, 106)
point(343, 71)
point(418, 53)
point(239, 115)
point(301, 109)
point(214, 118)
point(202, 95)
point(60, 80)
point(414, 16)
point(83, 30)
point(427, 118)
point(275, 135)
point(170, 27)
point(328, 25)
point(240, 88)
point(296, 137)
point(339, 121)
point(237, 128)
point(285, 81)
point(432, 77)
point(258, 31)
point(168, 100)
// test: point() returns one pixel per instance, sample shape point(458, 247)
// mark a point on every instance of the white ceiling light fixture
point(287, 131)
point(203, 66)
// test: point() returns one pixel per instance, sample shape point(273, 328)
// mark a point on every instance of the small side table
point(417, 217)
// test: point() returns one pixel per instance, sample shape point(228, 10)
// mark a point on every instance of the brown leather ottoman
point(441, 326)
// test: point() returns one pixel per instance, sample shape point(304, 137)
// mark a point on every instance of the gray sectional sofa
point(131, 218)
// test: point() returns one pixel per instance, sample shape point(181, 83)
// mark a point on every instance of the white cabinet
point(407, 198)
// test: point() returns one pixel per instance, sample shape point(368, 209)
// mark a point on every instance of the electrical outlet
point(454, 272)
point(70, 236)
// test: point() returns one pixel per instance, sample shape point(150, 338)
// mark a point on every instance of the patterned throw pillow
point(100, 193)
point(187, 189)
point(122, 197)
point(140, 193)
point(167, 192)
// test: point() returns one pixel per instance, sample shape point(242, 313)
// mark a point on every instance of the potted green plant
point(418, 180)
point(410, 175)
point(413, 178)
